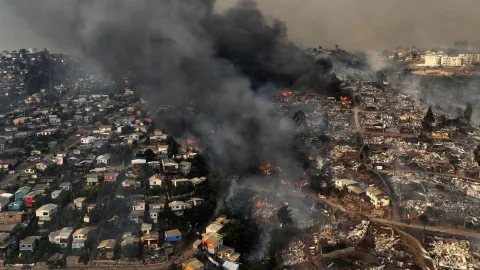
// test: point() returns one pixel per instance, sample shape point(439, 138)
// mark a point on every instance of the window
point(45, 213)
point(29, 245)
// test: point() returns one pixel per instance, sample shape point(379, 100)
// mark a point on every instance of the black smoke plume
point(183, 53)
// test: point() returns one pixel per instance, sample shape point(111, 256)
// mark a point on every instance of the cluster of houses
point(212, 242)
point(376, 196)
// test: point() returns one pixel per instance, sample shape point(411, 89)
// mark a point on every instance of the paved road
point(437, 229)
point(407, 170)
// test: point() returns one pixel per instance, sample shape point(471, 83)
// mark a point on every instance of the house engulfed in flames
point(345, 102)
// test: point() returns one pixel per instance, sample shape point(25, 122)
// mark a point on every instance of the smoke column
point(184, 52)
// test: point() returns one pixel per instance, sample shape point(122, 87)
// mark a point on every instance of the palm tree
point(284, 215)
point(424, 219)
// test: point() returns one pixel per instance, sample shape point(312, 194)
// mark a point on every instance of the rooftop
point(173, 233)
point(107, 243)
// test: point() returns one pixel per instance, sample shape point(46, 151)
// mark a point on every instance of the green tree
point(284, 215)
point(131, 250)
point(64, 198)
point(238, 236)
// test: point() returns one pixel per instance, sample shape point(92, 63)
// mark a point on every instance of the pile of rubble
point(452, 253)
point(294, 254)
point(359, 231)
point(390, 250)
point(329, 235)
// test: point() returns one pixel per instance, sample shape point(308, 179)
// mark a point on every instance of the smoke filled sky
point(353, 24)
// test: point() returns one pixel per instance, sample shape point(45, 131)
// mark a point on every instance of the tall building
point(432, 60)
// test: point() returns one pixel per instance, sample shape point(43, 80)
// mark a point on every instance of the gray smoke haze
point(355, 25)
point(183, 52)
point(375, 24)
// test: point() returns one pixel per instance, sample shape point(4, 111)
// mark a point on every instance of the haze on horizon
point(354, 25)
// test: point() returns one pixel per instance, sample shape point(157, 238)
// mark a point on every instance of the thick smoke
point(183, 52)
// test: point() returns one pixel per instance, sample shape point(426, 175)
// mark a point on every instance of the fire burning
point(345, 101)
point(262, 204)
point(266, 168)
point(286, 93)
point(311, 157)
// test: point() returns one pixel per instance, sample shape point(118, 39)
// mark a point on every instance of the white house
point(156, 180)
point(377, 197)
point(103, 159)
point(88, 140)
point(46, 212)
point(56, 193)
point(341, 183)
point(162, 149)
point(61, 237)
point(177, 207)
point(80, 236)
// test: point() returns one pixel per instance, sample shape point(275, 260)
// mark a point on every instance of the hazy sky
point(353, 24)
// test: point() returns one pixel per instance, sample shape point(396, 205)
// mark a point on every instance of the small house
point(106, 249)
point(79, 202)
point(56, 193)
point(61, 237)
point(156, 180)
point(29, 199)
point(21, 193)
point(177, 207)
point(29, 243)
point(110, 176)
point(213, 241)
point(151, 240)
point(193, 202)
point(46, 212)
point(173, 235)
point(104, 159)
point(15, 206)
point(92, 179)
point(193, 264)
point(11, 217)
point(80, 236)
point(184, 167)
point(66, 186)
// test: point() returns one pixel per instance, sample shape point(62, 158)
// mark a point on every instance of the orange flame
point(261, 204)
point(311, 157)
point(287, 93)
point(266, 168)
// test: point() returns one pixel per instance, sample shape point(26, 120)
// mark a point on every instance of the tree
point(64, 198)
point(238, 236)
point(396, 57)
point(476, 153)
point(424, 219)
point(131, 250)
point(149, 155)
point(467, 114)
point(284, 215)
point(428, 120)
